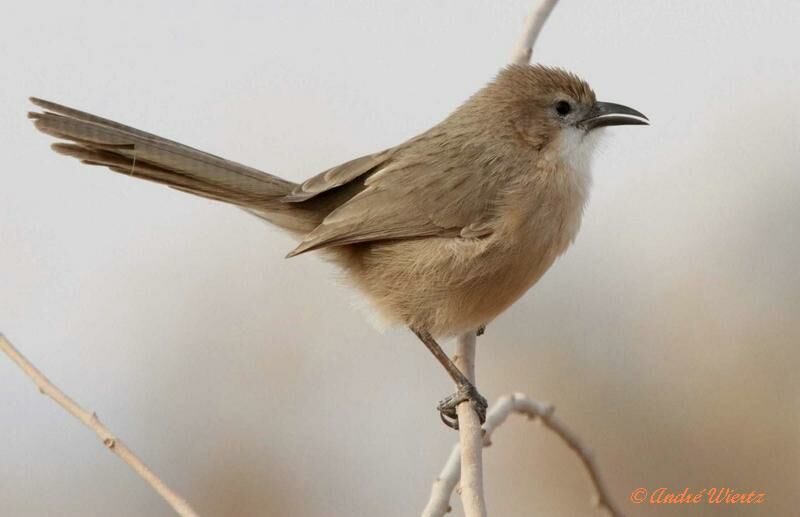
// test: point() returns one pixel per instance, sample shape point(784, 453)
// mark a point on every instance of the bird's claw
point(466, 393)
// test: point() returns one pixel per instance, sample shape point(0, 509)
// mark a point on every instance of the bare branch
point(91, 421)
point(443, 486)
point(438, 504)
point(470, 434)
point(533, 26)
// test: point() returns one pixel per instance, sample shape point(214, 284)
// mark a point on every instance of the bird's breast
point(540, 219)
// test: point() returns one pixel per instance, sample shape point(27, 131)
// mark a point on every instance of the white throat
point(576, 148)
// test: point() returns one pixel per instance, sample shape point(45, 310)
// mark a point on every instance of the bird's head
point(540, 105)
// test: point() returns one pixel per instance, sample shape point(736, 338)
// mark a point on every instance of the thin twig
point(602, 498)
point(91, 421)
point(470, 434)
point(533, 26)
point(438, 504)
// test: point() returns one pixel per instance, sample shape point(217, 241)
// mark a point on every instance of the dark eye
point(563, 108)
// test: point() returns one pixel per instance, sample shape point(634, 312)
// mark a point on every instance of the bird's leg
point(481, 330)
point(465, 390)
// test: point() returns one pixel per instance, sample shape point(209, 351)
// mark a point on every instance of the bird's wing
point(409, 199)
point(336, 177)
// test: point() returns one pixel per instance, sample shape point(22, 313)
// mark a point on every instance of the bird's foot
point(465, 393)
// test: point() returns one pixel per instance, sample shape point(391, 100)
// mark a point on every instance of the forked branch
point(439, 502)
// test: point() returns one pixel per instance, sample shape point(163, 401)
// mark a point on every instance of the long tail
point(98, 141)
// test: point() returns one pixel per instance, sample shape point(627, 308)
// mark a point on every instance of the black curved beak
point(610, 114)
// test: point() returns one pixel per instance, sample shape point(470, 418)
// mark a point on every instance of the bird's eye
point(563, 108)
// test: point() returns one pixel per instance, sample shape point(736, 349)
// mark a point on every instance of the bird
point(441, 233)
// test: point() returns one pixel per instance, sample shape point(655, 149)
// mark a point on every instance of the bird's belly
point(444, 285)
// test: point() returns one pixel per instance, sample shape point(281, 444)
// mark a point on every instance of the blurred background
point(667, 337)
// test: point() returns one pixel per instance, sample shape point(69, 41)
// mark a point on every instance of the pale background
point(667, 336)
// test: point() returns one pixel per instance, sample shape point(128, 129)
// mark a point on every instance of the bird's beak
point(610, 114)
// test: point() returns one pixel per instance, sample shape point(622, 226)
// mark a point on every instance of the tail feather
point(151, 172)
point(98, 141)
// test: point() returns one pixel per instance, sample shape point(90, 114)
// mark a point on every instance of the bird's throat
point(576, 149)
